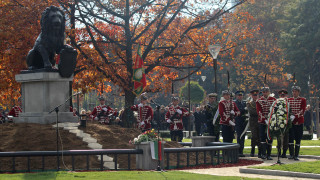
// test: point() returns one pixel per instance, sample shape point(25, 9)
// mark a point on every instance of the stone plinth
point(42, 92)
point(145, 161)
point(200, 141)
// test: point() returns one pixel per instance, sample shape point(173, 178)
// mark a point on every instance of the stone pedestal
point(201, 141)
point(42, 92)
point(145, 161)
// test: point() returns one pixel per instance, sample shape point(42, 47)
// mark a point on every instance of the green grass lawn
point(305, 167)
point(274, 143)
point(303, 151)
point(174, 175)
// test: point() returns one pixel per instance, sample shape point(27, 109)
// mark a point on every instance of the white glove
point(179, 111)
point(292, 117)
point(266, 121)
point(169, 121)
point(232, 123)
point(140, 105)
point(96, 118)
point(232, 112)
point(105, 109)
point(142, 123)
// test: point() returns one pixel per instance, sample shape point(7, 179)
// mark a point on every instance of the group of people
point(14, 112)
point(227, 115)
point(233, 116)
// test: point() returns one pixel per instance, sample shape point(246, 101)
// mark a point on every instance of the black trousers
point(239, 129)
point(227, 133)
point(176, 135)
point(295, 133)
point(263, 134)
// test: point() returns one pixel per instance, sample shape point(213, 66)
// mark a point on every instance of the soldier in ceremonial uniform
point(240, 120)
point(174, 118)
point(145, 113)
point(253, 123)
point(16, 110)
point(283, 94)
point(227, 110)
point(263, 109)
point(297, 105)
point(101, 113)
point(212, 116)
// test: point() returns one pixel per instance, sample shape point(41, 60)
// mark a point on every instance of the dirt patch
point(37, 137)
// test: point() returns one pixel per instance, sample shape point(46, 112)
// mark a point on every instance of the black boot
point(263, 149)
point(284, 153)
point(291, 151)
point(252, 151)
point(259, 151)
point(241, 152)
point(269, 148)
point(296, 152)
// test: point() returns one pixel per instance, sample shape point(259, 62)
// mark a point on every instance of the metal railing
point(71, 153)
point(218, 152)
point(221, 152)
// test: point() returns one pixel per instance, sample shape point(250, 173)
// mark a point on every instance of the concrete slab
point(95, 146)
point(89, 140)
point(106, 158)
point(70, 128)
point(110, 165)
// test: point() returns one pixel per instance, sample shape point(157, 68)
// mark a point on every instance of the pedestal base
point(201, 141)
point(41, 93)
point(45, 118)
point(145, 161)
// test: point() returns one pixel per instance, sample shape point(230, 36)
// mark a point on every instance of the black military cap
point(239, 93)
point(282, 91)
point(254, 92)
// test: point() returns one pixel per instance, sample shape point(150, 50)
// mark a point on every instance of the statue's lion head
point(53, 21)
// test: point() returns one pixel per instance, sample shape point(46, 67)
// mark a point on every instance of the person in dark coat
point(240, 120)
point(198, 121)
point(253, 123)
point(307, 118)
point(283, 94)
point(212, 116)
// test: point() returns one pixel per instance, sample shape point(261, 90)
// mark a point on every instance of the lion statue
point(50, 41)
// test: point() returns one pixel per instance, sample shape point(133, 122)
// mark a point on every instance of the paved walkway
point(235, 171)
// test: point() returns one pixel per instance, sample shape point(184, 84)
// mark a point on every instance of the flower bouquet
point(278, 118)
point(147, 136)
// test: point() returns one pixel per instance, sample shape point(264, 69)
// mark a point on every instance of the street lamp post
point(214, 51)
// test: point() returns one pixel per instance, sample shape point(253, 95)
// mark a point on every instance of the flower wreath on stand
point(278, 122)
point(147, 136)
point(155, 142)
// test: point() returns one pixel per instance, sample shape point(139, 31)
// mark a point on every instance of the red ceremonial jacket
point(225, 107)
point(97, 110)
point(263, 108)
point(176, 123)
point(15, 111)
point(145, 114)
point(297, 106)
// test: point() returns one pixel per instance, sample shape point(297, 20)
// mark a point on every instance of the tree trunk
point(128, 119)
